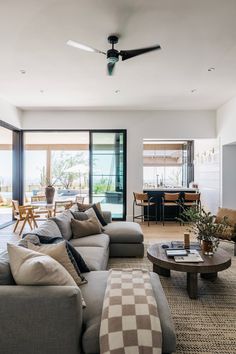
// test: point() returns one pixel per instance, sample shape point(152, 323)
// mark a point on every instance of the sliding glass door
point(107, 171)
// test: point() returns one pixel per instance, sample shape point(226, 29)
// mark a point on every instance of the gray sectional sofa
point(50, 319)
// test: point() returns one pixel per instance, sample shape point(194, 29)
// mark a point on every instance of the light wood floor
point(153, 233)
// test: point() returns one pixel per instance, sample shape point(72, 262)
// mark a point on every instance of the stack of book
point(182, 255)
point(192, 257)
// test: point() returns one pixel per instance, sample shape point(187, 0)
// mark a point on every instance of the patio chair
point(60, 206)
point(79, 199)
point(25, 214)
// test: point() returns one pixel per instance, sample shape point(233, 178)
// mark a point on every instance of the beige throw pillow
point(85, 228)
point(91, 214)
point(229, 213)
point(59, 253)
point(83, 207)
point(32, 268)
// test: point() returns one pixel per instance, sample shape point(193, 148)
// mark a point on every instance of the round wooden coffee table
point(162, 265)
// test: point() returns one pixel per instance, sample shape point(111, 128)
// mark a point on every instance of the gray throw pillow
point(85, 228)
point(80, 215)
point(48, 228)
point(63, 221)
point(6, 277)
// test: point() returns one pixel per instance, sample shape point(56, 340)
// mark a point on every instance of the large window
point(5, 175)
point(60, 159)
point(87, 164)
point(167, 163)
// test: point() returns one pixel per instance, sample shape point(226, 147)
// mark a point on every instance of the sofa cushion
point(59, 252)
point(91, 214)
point(63, 221)
point(229, 213)
point(124, 232)
point(100, 240)
point(96, 258)
point(92, 314)
point(33, 268)
point(6, 277)
point(85, 227)
point(99, 215)
point(74, 208)
point(107, 216)
point(80, 215)
point(83, 207)
point(97, 282)
point(48, 228)
point(74, 255)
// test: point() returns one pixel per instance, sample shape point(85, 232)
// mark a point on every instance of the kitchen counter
point(157, 193)
point(170, 189)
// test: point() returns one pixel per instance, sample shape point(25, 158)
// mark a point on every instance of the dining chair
point(79, 199)
point(38, 198)
point(43, 210)
point(60, 206)
point(145, 202)
point(25, 214)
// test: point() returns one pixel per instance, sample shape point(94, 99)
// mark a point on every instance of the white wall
point(226, 131)
point(207, 172)
point(10, 114)
point(139, 125)
point(229, 176)
point(226, 122)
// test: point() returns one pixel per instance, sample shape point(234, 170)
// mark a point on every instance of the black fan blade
point(127, 54)
point(110, 68)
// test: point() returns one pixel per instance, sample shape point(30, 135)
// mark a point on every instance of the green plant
point(66, 167)
point(102, 186)
point(203, 224)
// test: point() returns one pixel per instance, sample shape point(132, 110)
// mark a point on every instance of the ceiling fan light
point(112, 60)
point(80, 46)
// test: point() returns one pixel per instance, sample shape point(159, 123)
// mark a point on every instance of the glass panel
point(70, 174)
point(5, 175)
point(59, 158)
point(164, 164)
point(35, 163)
point(108, 171)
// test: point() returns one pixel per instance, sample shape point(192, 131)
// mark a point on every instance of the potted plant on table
point(204, 226)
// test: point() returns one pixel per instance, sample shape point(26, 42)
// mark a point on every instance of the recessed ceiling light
point(211, 69)
point(117, 91)
point(22, 71)
point(193, 90)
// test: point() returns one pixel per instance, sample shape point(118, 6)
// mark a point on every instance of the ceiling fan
point(113, 54)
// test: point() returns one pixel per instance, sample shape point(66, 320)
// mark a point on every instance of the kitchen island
point(157, 194)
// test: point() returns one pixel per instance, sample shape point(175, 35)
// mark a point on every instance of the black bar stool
point(170, 200)
point(142, 200)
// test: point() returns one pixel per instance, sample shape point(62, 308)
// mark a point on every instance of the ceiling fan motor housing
point(112, 55)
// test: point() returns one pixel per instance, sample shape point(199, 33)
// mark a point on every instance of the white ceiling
point(194, 35)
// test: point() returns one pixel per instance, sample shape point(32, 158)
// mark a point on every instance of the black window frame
point(17, 165)
point(124, 131)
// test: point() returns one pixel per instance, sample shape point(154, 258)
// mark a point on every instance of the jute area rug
point(203, 326)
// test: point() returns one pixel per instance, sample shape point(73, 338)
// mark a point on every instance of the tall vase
point(49, 192)
point(207, 247)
